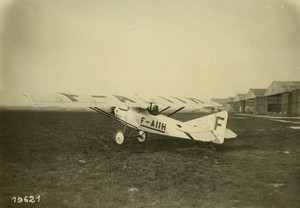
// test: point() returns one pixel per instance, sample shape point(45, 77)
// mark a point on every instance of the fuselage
point(157, 124)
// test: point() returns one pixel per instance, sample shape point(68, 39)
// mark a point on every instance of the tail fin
point(216, 123)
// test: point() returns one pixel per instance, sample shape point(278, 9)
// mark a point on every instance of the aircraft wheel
point(142, 136)
point(119, 137)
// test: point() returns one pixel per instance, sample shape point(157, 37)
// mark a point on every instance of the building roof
point(253, 93)
point(239, 97)
point(278, 87)
point(220, 100)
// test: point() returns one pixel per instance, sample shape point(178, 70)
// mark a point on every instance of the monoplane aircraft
point(149, 115)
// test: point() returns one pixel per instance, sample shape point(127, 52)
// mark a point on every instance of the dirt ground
point(71, 160)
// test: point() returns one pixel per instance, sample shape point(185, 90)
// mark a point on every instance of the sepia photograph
point(150, 103)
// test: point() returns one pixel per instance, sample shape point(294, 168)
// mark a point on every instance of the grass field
point(70, 160)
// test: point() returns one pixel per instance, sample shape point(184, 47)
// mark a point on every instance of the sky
point(200, 48)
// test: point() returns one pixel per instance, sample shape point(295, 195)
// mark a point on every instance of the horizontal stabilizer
point(229, 134)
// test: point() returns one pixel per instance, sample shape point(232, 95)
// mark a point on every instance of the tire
point(142, 136)
point(119, 137)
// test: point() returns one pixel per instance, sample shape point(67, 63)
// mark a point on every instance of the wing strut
point(175, 111)
point(98, 110)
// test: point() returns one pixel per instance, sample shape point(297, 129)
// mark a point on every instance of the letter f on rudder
point(220, 126)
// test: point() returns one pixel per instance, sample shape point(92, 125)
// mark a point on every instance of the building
point(295, 104)
point(283, 97)
point(239, 103)
point(230, 104)
point(280, 98)
point(254, 101)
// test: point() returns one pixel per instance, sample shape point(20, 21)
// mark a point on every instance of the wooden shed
point(239, 103)
point(283, 97)
point(254, 101)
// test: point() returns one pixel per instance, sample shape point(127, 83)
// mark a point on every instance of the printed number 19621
point(26, 199)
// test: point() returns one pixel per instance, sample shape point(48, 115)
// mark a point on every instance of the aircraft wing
point(105, 102)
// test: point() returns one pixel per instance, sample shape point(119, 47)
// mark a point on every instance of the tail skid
point(216, 126)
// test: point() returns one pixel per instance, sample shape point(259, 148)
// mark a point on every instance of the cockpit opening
point(153, 110)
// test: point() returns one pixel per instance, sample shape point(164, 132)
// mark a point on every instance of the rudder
point(219, 128)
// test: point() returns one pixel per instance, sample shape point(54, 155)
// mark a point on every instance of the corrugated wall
point(249, 106)
point(274, 103)
point(260, 105)
point(242, 106)
point(295, 103)
point(285, 102)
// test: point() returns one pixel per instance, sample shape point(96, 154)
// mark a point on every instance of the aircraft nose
point(116, 112)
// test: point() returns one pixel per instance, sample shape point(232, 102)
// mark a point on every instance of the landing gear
point(142, 136)
point(120, 136)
